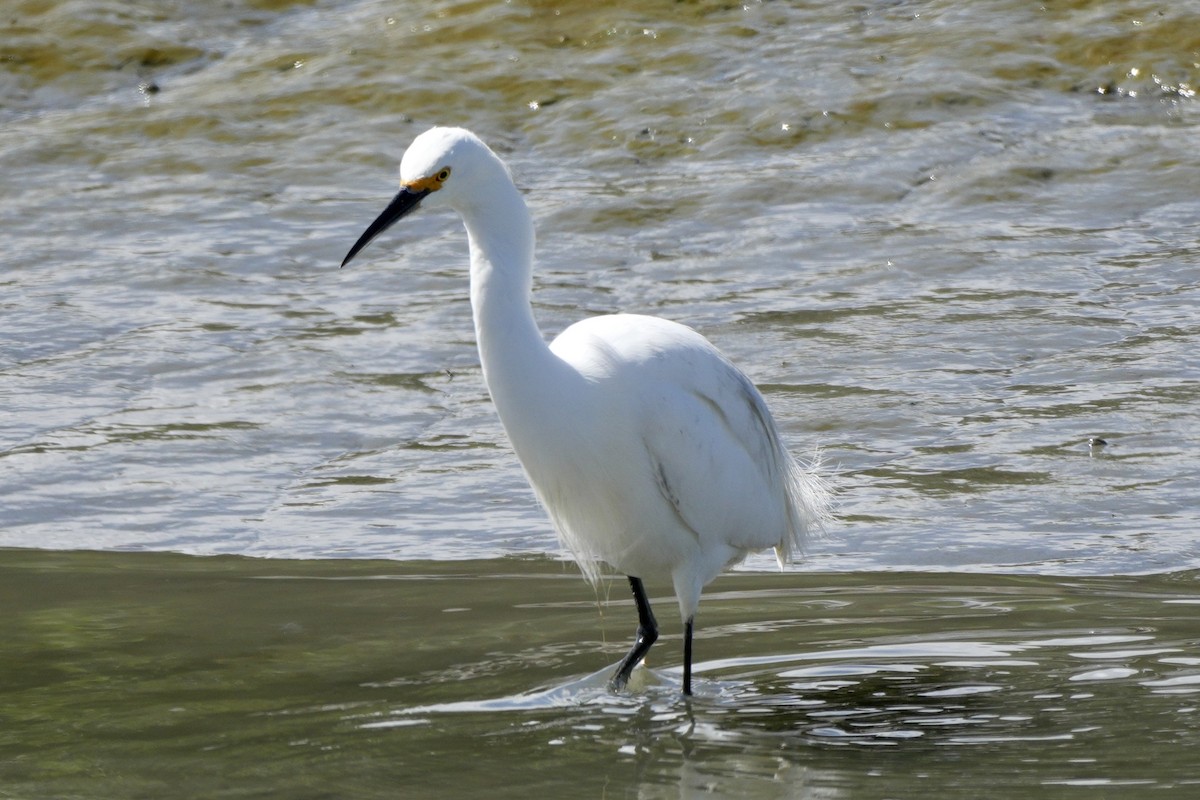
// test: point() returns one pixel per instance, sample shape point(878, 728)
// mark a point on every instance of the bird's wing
point(715, 452)
point(704, 431)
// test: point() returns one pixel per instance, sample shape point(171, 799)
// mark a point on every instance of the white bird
point(649, 449)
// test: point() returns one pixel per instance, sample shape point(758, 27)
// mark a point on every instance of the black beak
point(404, 201)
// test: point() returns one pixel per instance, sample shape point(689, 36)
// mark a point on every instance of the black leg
point(687, 658)
point(647, 634)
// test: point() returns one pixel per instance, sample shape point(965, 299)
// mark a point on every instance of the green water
point(147, 675)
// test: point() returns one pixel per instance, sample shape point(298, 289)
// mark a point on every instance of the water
point(952, 245)
point(152, 675)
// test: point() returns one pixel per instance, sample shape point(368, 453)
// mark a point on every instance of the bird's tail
point(810, 506)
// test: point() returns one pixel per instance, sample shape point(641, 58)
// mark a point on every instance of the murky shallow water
point(147, 675)
point(952, 244)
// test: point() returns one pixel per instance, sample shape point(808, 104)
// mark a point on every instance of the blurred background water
point(956, 246)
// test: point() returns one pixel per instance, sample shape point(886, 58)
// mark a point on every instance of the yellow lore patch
point(430, 183)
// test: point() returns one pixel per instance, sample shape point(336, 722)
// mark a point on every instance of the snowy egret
point(649, 449)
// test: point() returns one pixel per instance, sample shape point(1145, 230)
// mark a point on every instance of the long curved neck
point(515, 357)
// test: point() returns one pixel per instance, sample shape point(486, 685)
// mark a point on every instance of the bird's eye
point(445, 173)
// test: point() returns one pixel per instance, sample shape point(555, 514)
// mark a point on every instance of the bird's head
point(437, 169)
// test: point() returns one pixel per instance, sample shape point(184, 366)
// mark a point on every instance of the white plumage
point(649, 449)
